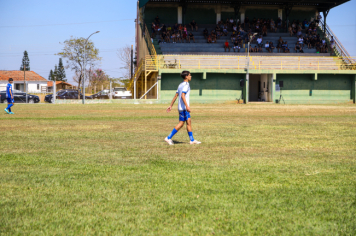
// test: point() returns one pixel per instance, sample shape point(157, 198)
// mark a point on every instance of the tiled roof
point(50, 83)
point(18, 75)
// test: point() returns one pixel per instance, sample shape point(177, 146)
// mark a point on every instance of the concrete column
point(280, 13)
point(218, 13)
point(180, 15)
point(242, 15)
point(247, 87)
point(273, 87)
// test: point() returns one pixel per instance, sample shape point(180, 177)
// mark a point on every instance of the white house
point(35, 82)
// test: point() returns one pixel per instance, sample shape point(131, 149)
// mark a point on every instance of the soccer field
point(262, 169)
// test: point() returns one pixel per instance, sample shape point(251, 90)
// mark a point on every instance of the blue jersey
point(8, 90)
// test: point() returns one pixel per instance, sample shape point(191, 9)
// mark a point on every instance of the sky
point(39, 27)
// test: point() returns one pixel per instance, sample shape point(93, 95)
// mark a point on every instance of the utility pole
point(24, 81)
point(54, 89)
point(131, 62)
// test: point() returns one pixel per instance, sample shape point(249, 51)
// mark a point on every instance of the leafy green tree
point(73, 52)
point(61, 74)
point(51, 76)
point(25, 62)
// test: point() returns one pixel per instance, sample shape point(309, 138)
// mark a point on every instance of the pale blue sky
point(38, 26)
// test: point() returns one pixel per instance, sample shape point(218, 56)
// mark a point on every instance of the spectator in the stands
point(153, 30)
point(236, 46)
point(231, 22)
point(168, 38)
point(206, 33)
point(233, 36)
point(285, 47)
point(226, 46)
point(279, 47)
point(271, 46)
point(157, 20)
point(301, 41)
point(273, 26)
point(257, 28)
point(194, 25)
point(209, 39)
point(253, 49)
point(173, 37)
point(290, 30)
point(318, 18)
point(225, 30)
point(318, 46)
point(213, 37)
point(239, 40)
point(185, 37)
point(169, 28)
point(185, 29)
point(191, 37)
point(332, 43)
point(264, 30)
point(176, 28)
point(279, 22)
point(178, 37)
point(299, 33)
point(163, 36)
point(267, 47)
point(180, 28)
point(298, 48)
point(234, 27)
point(259, 41)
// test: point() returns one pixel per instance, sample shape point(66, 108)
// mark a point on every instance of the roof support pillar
point(236, 7)
point(287, 9)
point(184, 4)
point(325, 13)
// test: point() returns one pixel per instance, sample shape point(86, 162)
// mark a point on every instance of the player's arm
point(12, 97)
point(185, 102)
point(172, 103)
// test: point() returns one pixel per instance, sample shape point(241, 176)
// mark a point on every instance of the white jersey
point(183, 88)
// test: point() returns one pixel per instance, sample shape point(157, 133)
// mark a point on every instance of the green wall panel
point(167, 15)
point(200, 15)
point(217, 86)
point(300, 15)
point(301, 88)
point(262, 13)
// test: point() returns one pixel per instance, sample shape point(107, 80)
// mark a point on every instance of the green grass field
point(105, 169)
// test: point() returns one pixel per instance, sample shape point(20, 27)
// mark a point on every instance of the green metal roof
point(321, 4)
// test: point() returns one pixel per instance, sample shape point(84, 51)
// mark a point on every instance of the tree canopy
point(25, 66)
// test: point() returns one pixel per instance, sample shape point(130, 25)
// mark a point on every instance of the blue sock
point(9, 107)
point(174, 131)
point(191, 136)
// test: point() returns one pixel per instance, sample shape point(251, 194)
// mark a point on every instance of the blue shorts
point(9, 100)
point(184, 115)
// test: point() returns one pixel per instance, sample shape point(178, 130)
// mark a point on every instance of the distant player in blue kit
point(9, 96)
point(183, 93)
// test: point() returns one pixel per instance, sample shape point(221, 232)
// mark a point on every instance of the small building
point(35, 82)
point(59, 85)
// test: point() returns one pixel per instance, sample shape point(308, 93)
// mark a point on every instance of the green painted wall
point(167, 15)
point(200, 15)
point(300, 15)
point(303, 89)
point(262, 13)
point(217, 86)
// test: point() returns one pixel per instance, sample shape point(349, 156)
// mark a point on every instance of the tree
point(73, 51)
point(61, 74)
point(124, 55)
point(51, 76)
point(25, 62)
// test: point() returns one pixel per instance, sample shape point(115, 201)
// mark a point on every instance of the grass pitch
point(105, 169)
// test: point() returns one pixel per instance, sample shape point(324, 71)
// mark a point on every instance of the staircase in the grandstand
point(202, 47)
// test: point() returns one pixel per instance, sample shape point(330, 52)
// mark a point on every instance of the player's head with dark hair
point(185, 74)
point(11, 79)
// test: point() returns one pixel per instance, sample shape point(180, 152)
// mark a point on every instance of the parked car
point(65, 94)
point(105, 94)
point(122, 93)
point(20, 97)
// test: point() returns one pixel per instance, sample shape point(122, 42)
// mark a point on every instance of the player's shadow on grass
point(177, 142)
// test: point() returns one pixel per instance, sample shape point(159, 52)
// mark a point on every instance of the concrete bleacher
point(202, 47)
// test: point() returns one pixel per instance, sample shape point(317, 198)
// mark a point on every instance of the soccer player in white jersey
point(182, 93)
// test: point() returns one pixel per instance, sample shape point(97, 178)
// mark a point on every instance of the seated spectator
point(180, 28)
point(280, 40)
point(163, 36)
point(279, 47)
point(234, 27)
point(236, 46)
point(176, 28)
point(259, 49)
point(253, 49)
point(225, 30)
point(231, 22)
point(301, 41)
point(267, 47)
point(178, 37)
point(318, 18)
point(298, 48)
point(209, 39)
point(185, 37)
point(191, 37)
point(279, 22)
point(226, 45)
point(153, 30)
point(271, 46)
point(194, 25)
point(233, 37)
point(273, 26)
point(299, 33)
point(264, 30)
point(173, 38)
point(259, 41)
point(157, 21)
point(169, 28)
point(185, 29)
point(257, 28)
point(239, 40)
point(318, 47)
point(213, 37)
point(168, 38)
point(290, 30)
point(285, 47)
point(206, 33)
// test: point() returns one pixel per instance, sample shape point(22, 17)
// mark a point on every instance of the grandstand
point(323, 73)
